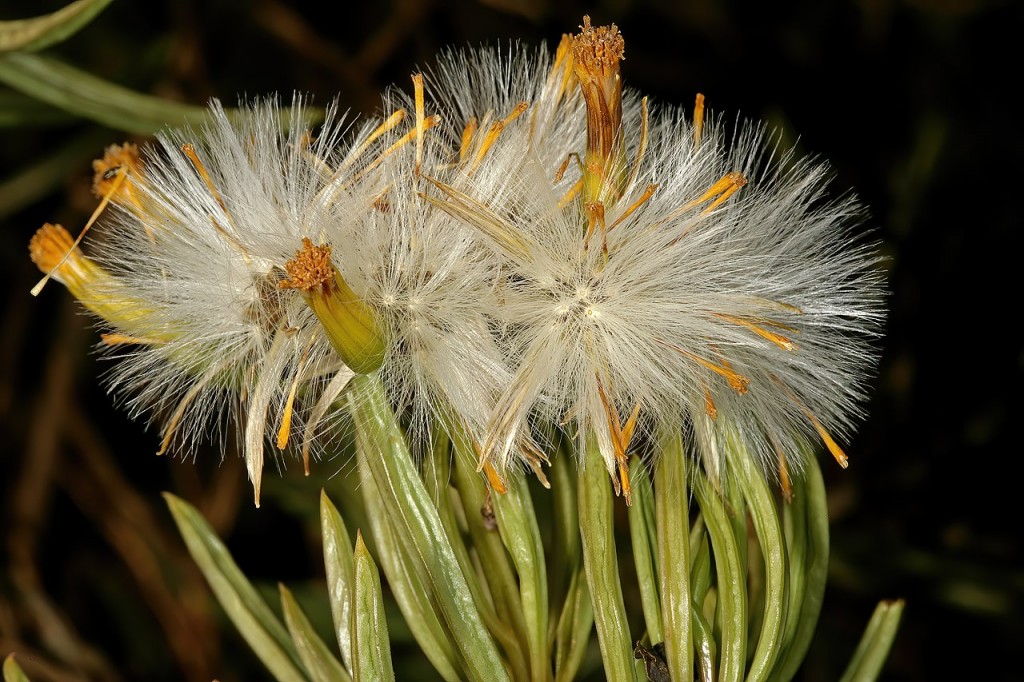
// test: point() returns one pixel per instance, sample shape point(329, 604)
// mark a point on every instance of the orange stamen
point(621, 437)
point(497, 484)
point(830, 443)
point(644, 198)
point(467, 138)
point(92, 219)
point(779, 340)
point(723, 189)
point(560, 173)
point(571, 194)
point(417, 86)
point(709, 405)
point(737, 382)
point(698, 119)
point(190, 151)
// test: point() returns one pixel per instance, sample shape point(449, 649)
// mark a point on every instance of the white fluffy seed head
point(723, 291)
point(213, 217)
point(706, 283)
point(433, 288)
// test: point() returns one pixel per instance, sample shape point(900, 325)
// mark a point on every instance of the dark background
point(908, 99)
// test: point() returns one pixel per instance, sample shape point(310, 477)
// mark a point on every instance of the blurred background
point(908, 99)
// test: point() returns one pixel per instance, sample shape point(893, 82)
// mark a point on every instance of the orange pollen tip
point(49, 245)
point(598, 48)
point(497, 484)
point(116, 159)
point(783, 342)
point(310, 269)
point(624, 484)
point(698, 119)
point(709, 405)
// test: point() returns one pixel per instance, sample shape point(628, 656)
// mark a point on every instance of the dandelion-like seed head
point(686, 279)
point(520, 243)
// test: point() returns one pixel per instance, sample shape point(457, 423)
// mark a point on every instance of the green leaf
point(673, 531)
point(565, 542)
point(575, 623)
point(499, 602)
point(371, 646)
point(732, 590)
point(404, 572)
point(339, 569)
point(597, 528)
point(642, 536)
point(48, 29)
point(517, 525)
point(764, 516)
point(813, 516)
point(13, 671)
point(381, 446)
point(20, 111)
point(83, 94)
point(256, 622)
point(873, 650)
point(318, 659)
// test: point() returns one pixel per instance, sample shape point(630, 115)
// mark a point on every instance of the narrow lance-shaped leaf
point(499, 605)
point(704, 645)
point(811, 486)
point(404, 572)
point(517, 524)
point(597, 528)
point(83, 94)
point(382, 447)
point(575, 623)
point(320, 663)
point(765, 518)
point(49, 29)
point(732, 590)
point(671, 499)
point(642, 535)
point(371, 645)
point(873, 649)
point(256, 622)
point(339, 570)
point(565, 552)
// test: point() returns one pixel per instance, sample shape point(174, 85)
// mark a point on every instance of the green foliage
point(50, 81)
point(730, 578)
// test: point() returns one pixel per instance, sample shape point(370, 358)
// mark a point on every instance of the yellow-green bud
point(349, 323)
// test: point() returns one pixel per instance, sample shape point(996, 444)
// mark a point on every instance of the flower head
point(698, 280)
point(246, 273)
point(192, 258)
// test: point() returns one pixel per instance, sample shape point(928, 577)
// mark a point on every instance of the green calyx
point(349, 323)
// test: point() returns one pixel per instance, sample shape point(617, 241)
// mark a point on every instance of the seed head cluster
point(521, 246)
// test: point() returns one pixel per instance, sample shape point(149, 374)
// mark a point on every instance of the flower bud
point(349, 323)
